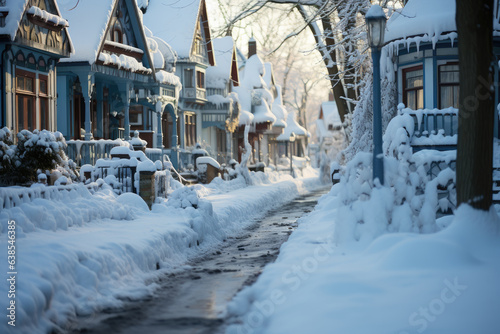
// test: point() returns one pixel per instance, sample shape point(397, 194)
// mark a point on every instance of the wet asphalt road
point(194, 300)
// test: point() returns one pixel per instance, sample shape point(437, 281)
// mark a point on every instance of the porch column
point(159, 134)
point(229, 145)
point(174, 155)
point(99, 105)
point(87, 83)
point(125, 94)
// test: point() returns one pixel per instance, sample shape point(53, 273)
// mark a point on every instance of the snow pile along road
point(403, 283)
point(102, 259)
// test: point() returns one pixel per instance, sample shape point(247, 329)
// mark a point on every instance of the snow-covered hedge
point(35, 152)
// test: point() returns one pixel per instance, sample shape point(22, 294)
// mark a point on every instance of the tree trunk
point(333, 69)
point(476, 114)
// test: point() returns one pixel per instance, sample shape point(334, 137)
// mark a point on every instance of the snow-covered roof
point(174, 21)
point(218, 75)
point(168, 78)
point(252, 74)
point(16, 9)
point(246, 117)
point(86, 37)
point(330, 114)
point(268, 74)
point(292, 126)
point(262, 113)
point(422, 17)
point(279, 109)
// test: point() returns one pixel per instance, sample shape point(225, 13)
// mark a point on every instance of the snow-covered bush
point(35, 152)
point(408, 200)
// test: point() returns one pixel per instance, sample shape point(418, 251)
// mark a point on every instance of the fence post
point(147, 187)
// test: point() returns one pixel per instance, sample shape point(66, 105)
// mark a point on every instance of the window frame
point(440, 84)
point(404, 73)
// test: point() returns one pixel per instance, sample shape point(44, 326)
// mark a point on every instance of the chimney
point(252, 47)
point(330, 96)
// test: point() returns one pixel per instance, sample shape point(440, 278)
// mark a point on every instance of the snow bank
point(400, 283)
point(97, 264)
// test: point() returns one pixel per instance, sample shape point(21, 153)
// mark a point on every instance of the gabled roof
point(175, 21)
point(292, 127)
point(87, 37)
point(226, 67)
point(89, 22)
point(15, 10)
point(330, 114)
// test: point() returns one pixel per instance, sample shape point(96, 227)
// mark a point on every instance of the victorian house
point(184, 26)
point(259, 95)
point(117, 81)
point(34, 37)
point(220, 117)
point(421, 57)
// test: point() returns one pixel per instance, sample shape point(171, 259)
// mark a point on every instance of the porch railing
point(88, 152)
point(434, 128)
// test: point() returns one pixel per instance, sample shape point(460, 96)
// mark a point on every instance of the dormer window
point(117, 33)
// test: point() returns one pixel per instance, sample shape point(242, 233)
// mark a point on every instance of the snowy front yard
point(84, 253)
point(401, 283)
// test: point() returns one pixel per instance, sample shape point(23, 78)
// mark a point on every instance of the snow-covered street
point(193, 298)
point(103, 262)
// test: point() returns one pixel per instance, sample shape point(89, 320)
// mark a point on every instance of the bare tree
point(338, 30)
point(475, 128)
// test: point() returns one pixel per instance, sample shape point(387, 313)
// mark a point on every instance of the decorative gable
point(41, 26)
point(125, 43)
point(202, 44)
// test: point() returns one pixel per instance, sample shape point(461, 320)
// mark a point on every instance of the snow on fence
point(433, 128)
point(89, 151)
point(15, 196)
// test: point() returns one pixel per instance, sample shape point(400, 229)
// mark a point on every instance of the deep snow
point(445, 282)
point(117, 247)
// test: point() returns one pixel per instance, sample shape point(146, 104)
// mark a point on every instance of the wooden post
point(147, 187)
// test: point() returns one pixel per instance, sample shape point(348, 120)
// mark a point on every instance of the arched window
point(20, 57)
point(117, 33)
point(31, 62)
point(42, 65)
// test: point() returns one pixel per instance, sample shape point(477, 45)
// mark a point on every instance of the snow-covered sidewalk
point(399, 283)
point(117, 251)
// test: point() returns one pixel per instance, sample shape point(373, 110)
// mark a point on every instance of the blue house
point(183, 24)
point(116, 82)
point(33, 38)
point(421, 55)
point(220, 117)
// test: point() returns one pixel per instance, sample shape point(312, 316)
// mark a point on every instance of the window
point(449, 86)
point(43, 101)
point(117, 33)
point(200, 79)
point(188, 78)
point(190, 129)
point(413, 87)
point(25, 101)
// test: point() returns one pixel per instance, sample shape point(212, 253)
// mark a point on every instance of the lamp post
point(291, 140)
point(375, 20)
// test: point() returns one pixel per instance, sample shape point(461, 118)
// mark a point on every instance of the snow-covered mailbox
point(208, 169)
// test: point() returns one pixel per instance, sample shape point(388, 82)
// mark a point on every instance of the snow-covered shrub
point(409, 198)
point(35, 152)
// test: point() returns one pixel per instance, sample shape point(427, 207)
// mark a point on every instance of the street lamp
point(292, 139)
point(375, 20)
